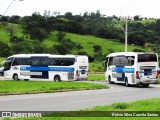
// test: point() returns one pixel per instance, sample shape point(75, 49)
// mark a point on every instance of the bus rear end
point(82, 68)
point(147, 69)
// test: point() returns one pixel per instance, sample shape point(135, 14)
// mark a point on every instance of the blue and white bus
point(132, 68)
point(46, 67)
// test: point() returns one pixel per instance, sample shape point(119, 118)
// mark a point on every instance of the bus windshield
point(7, 65)
point(147, 58)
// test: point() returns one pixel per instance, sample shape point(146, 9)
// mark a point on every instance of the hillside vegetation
point(91, 34)
point(86, 41)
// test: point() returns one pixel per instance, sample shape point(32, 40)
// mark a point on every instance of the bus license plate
point(83, 71)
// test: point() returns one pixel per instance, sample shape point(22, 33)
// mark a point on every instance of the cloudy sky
point(145, 8)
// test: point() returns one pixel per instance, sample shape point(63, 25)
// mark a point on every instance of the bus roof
point(44, 55)
point(127, 53)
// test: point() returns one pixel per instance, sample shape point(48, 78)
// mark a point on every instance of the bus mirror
point(104, 64)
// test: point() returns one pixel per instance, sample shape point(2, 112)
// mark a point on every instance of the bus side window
point(35, 61)
point(17, 61)
point(52, 61)
point(44, 61)
point(131, 60)
point(26, 61)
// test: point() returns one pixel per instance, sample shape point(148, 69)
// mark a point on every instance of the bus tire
point(57, 78)
point(109, 79)
point(145, 85)
point(15, 77)
point(126, 82)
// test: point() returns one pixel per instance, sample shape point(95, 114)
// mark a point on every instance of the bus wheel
point(145, 85)
point(109, 79)
point(126, 82)
point(15, 77)
point(57, 78)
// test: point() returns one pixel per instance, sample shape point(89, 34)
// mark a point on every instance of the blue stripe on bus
point(122, 69)
point(64, 69)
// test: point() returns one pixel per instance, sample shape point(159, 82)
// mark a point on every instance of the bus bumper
point(153, 81)
point(82, 78)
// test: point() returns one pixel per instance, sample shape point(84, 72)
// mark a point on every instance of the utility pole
point(125, 30)
point(126, 36)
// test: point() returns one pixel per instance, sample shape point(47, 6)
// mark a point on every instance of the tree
point(97, 52)
point(158, 24)
point(18, 48)
point(68, 15)
point(138, 50)
point(60, 49)
point(36, 26)
point(136, 17)
point(39, 48)
point(38, 34)
point(14, 19)
point(15, 39)
point(77, 18)
point(98, 13)
point(60, 36)
point(4, 49)
point(11, 29)
point(136, 39)
point(46, 13)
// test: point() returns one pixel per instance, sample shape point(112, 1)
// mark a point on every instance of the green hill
point(86, 41)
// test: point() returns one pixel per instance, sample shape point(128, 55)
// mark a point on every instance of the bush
point(4, 49)
point(97, 52)
point(96, 67)
point(120, 105)
point(15, 39)
point(138, 50)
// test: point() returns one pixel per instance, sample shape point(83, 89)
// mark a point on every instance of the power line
point(8, 8)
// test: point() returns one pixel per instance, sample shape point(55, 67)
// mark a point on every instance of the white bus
point(46, 67)
point(132, 68)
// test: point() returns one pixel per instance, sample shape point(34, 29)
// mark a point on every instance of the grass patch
point(96, 77)
point(142, 106)
point(96, 67)
point(88, 41)
point(22, 87)
point(2, 59)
